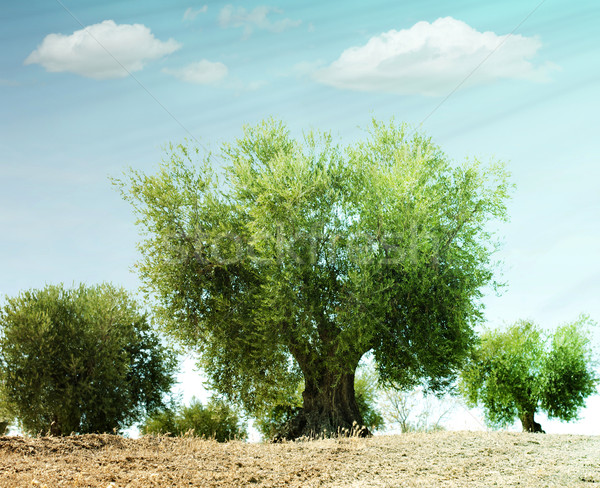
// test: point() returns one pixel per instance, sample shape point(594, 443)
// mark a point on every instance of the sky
point(90, 88)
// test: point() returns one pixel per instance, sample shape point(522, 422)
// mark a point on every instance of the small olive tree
point(80, 360)
point(520, 371)
point(217, 420)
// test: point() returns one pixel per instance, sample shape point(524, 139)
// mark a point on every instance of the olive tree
point(282, 259)
point(517, 372)
point(80, 360)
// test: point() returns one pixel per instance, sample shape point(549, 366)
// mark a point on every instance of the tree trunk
point(55, 428)
point(529, 424)
point(329, 408)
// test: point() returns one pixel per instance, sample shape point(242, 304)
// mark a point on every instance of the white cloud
point(85, 51)
point(191, 14)
point(202, 72)
point(433, 59)
point(258, 18)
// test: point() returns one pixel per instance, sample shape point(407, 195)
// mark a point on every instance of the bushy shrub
point(365, 386)
point(80, 360)
point(217, 420)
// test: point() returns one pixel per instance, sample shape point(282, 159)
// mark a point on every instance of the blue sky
point(514, 80)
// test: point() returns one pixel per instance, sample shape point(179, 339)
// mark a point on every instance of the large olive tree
point(281, 259)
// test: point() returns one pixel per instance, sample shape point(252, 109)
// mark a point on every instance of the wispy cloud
point(5, 82)
point(258, 18)
point(191, 13)
point(306, 68)
point(86, 51)
point(201, 73)
point(433, 59)
point(240, 87)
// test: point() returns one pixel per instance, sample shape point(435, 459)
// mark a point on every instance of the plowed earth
point(444, 459)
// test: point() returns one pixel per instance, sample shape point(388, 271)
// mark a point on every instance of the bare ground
point(444, 459)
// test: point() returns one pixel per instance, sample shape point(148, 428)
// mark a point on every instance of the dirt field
point(445, 459)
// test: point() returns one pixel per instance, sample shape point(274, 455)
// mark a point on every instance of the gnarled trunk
point(529, 424)
point(329, 408)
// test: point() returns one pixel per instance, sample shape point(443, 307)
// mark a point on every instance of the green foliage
point(270, 419)
point(217, 420)
point(366, 391)
point(521, 371)
point(6, 417)
point(80, 360)
point(301, 256)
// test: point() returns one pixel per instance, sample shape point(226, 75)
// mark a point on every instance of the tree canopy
point(283, 259)
point(517, 372)
point(80, 360)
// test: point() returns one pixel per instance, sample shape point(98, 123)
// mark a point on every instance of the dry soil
point(442, 459)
